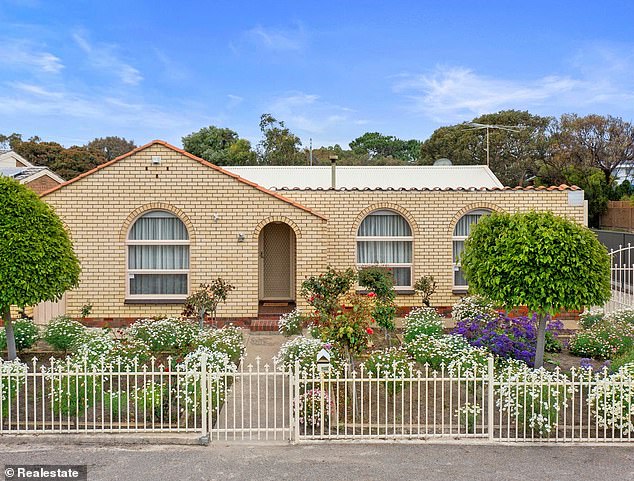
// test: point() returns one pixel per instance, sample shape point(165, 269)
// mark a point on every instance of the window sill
point(458, 291)
point(154, 301)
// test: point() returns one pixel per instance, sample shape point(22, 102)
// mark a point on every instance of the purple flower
point(585, 363)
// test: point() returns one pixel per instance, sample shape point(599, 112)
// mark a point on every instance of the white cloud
point(308, 113)
point(453, 93)
point(103, 58)
point(23, 54)
point(598, 78)
point(275, 40)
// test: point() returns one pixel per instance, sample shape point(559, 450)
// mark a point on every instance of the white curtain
point(158, 226)
point(384, 224)
point(463, 229)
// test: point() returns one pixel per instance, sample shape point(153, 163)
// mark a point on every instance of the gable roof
point(420, 177)
point(8, 158)
point(29, 174)
point(193, 157)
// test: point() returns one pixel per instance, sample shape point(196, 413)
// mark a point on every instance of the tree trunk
point(8, 328)
point(541, 340)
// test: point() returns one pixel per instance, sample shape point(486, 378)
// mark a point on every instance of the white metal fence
point(265, 403)
point(621, 279)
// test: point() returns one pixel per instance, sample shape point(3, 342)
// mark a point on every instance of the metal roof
point(370, 177)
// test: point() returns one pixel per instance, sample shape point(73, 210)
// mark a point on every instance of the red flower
point(371, 294)
point(312, 298)
point(369, 330)
point(372, 320)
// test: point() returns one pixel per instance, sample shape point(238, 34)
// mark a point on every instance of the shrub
point(228, 340)
point(168, 334)
point(350, 329)
point(147, 401)
point(380, 282)
point(590, 317)
point(425, 287)
point(13, 374)
point(622, 316)
point(305, 351)
point(62, 333)
point(468, 415)
point(603, 340)
point(92, 348)
point(310, 408)
point(473, 306)
point(323, 292)
point(504, 336)
point(26, 334)
point(612, 400)
point(422, 321)
point(72, 390)
point(623, 359)
point(533, 397)
point(189, 388)
point(436, 351)
point(391, 364)
point(290, 324)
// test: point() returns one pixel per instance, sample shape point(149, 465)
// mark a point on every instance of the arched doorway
point(277, 262)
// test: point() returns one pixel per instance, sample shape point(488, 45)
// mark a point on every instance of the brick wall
point(42, 184)
point(98, 210)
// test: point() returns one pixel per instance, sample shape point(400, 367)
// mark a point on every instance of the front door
point(277, 262)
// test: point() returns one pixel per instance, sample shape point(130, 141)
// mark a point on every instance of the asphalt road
point(339, 462)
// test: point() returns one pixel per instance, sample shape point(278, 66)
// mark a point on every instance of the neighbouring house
point(151, 225)
point(36, 178)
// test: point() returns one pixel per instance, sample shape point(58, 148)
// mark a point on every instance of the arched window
point(460, 233)
point(158, 257)
point(385, 238)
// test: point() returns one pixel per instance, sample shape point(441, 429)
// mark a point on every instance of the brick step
point(264, 325)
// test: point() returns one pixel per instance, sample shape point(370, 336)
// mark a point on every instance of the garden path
point(257, 406)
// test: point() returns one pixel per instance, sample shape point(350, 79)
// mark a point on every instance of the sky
point(71, 71)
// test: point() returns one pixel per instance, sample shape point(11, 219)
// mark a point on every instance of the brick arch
point(136, 213)
point(384, 206)
point(468, 208)
point(268, 220)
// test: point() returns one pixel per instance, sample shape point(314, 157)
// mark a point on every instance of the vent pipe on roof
point(333, 171)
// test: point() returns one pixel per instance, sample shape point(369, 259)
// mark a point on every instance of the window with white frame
point(158, 257)
point(460, 234)
point(385, 238)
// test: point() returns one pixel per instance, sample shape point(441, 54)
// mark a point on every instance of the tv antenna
point(508, 128)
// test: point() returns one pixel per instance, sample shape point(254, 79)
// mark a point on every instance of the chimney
point(333, 171)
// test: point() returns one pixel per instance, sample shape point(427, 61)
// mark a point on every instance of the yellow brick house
point(151, 225)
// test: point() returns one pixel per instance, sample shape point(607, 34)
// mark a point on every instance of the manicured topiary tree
point(37, 262)
point(538, 260)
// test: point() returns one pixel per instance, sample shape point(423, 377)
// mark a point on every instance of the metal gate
point(621, 279)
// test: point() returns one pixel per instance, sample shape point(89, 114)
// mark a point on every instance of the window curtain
point(384, 252)
point(384, 224)
point(158, 226)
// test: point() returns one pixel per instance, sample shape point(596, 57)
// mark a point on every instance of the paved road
point(341, 462)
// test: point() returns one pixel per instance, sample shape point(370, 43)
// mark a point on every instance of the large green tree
point(37, 262)
point(111, 147)
point(515, 154)
point(65, 162)
point(279, 146)
point(538, 260)
point(220, 146)
point(375, 145)
point(602, 142)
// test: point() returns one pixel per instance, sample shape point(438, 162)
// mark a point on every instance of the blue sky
point(74, 70)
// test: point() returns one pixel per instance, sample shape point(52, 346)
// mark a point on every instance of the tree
point(375, 145)
point(219, 146)
point(593, 141)
point(206, 299)
point(514, 156)
point(538, 260)
point(37, 262)
point(279, 146)
point(66, 163)
point(111, 147)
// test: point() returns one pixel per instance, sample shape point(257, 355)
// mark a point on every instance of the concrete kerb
point(106, 439)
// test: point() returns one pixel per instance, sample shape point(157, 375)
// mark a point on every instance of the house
point(36, 178)
point(151, 225)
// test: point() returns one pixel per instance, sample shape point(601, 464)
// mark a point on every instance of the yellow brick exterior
point(99, 209)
